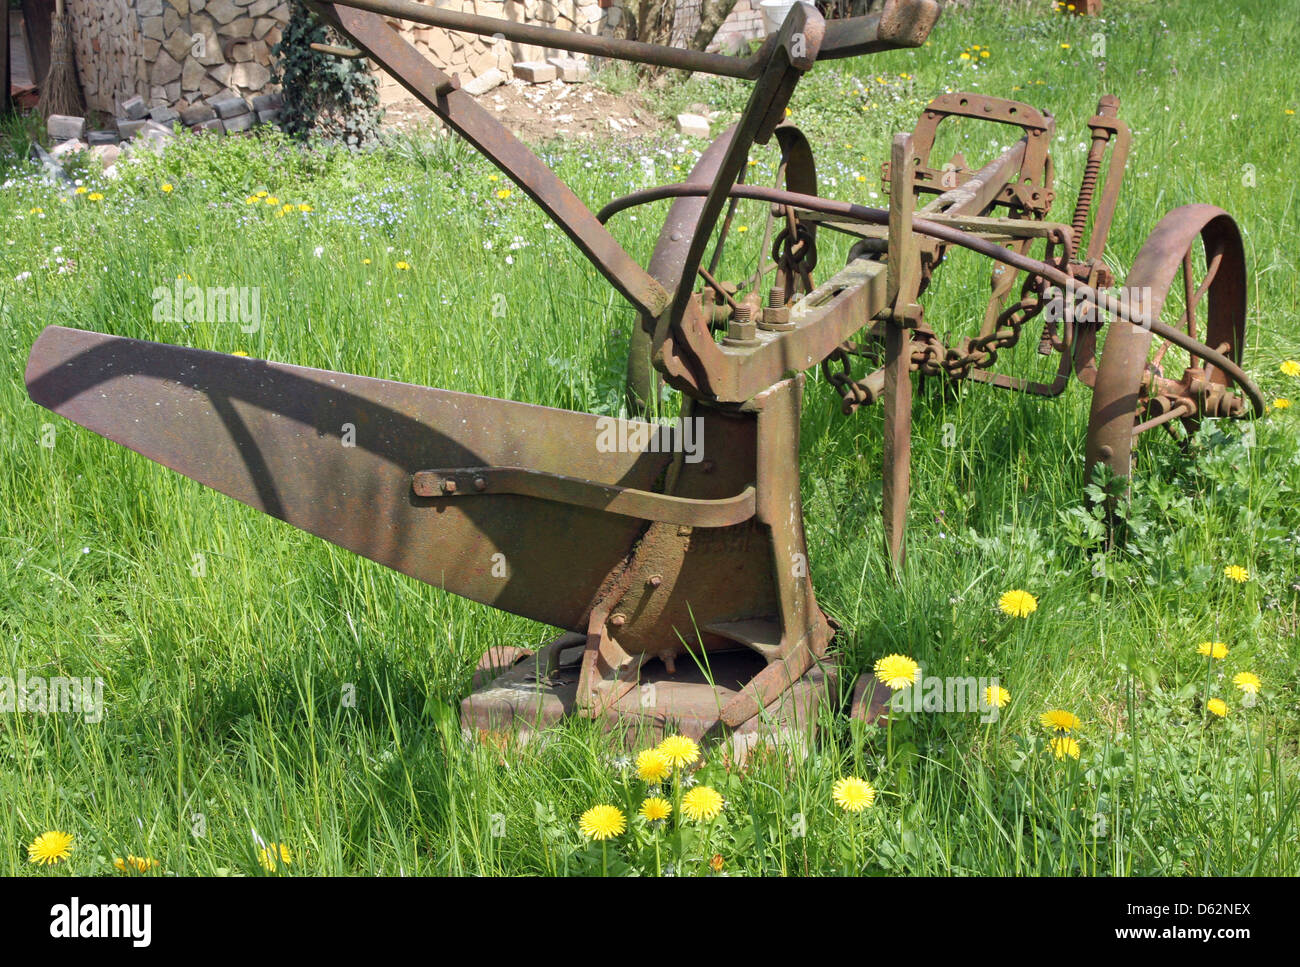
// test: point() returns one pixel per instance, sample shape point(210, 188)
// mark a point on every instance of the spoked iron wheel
point(1191, 274)
point(797, 172)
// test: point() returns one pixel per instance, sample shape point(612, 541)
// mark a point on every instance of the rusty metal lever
point(626, 501)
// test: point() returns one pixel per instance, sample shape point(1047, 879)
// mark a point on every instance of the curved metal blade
point(334, 454)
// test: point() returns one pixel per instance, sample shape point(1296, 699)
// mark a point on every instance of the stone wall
point(470, 55)
point(168, 51)
point(174, 51)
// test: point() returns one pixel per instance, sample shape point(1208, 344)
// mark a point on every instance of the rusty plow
point(678, 580)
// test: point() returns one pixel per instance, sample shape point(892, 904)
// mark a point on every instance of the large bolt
point(776, 314)
point(618, 620)
point(449, 486)
point(742, 331)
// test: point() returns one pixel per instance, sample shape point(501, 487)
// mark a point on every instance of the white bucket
point(774, 13)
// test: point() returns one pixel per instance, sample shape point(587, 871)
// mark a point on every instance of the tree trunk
point(712, 15)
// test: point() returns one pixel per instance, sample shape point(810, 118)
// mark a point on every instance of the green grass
point(224, 693)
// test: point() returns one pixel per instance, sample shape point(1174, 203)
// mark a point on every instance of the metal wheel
point(1190, 273)
point(798, 171)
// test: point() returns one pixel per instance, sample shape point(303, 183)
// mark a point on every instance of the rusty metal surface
point(527, 698)
point(271, 435)
point(904, 289)
point(465, 482)
point(870, 701)
point(1128, 386)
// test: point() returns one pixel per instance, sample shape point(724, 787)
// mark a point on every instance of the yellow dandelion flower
point(853, 794)
point(1017, 603)
point(985, 53)
point(49, 848)
point(897, 671)
point(742, 228)
point(493, 178)
point(788, 112)
point(1290, 368)
point(965, 56)
point(1217, 706)
point(1281, 403)
point(81, 190)
point(1066, 47)
point(656, 808)
point(365, 261)
point(305, 208)
point(1235, 572)
point(1248, 682)
point(679, 750)
point(602, 822)
point(263, 193)
point(271, 200)
point(1288, 110)
point(38, 210)
point(1059, 720)
point(274, 855)
point(1063, 746)
point(286, 207)
point(166, 188)
point(250, 200)
point(134, 864)
point(503, 193)
point(1212, 649)
point(995, 696)
point(862, 178)
point(653, 766)
point(702, 804)
point(403, 266)
point(239, 352)
point(95, 196)
point(716, 863)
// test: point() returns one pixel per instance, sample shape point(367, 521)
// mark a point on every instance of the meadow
point(263, 687)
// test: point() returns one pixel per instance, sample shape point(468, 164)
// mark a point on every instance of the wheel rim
point(799, 171)
point(1193, 257)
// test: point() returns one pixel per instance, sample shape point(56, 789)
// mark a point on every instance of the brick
point(197, 114)
point(694, 125)
point(64, 127)
point(571, 70)
point(127, 128)
point(535, 71)
point(241, 122)
point(164, 115)
point(484, 82)
point(229, 107)
point(134, 109)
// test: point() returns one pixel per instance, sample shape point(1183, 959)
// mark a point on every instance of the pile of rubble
point(221, 114)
